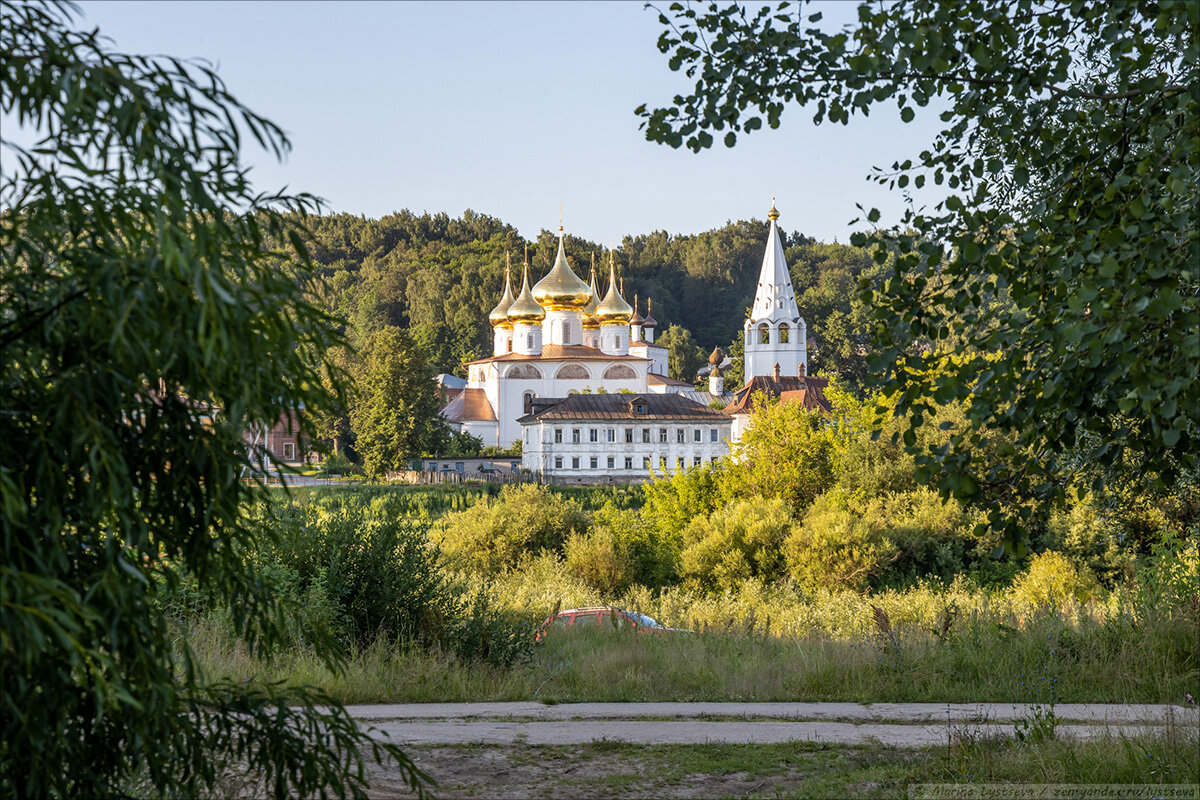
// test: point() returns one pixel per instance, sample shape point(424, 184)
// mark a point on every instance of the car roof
point(590, 608)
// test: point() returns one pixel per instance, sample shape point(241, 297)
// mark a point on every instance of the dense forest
point(438, 277)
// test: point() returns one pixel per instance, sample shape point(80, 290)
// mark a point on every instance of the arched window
point(573, 371)
point(619, 372)
point(528, 402)
point(527, 371)
point(764, 333)
point(784, 333)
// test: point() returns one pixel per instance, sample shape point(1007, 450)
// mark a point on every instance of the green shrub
point(653, 555)
point(1052, 580)
point(379, 569)
point(525, 520)
point(1091, 539)
point(1169, 578)
point(599, 559)
point(838, 547)
point(934, 538)
point(352, 563)
point(336, 464)
point(740, 541)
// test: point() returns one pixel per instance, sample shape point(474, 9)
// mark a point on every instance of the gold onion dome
point(525, 308)
point(613, 308)
point(716, 356)
point(772, 214)
point(562, 288)
point(589, 311)
point(499, 315)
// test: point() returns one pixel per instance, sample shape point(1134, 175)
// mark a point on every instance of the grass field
point(1049, 659)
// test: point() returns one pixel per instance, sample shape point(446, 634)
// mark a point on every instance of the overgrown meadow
point(435, 594)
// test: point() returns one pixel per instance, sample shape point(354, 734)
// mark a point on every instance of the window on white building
point(594, 463)
point(612, 434)
point(696, 435)
point(629, 436)
point(611, 462)
point(696, 461)
point(679, 463)
point(784, 332)
point(646, 435)
point(680, 435)
point(593, 435)
point(662, 435)
point(575, 463)
point(662, 463)
point(645, 462)
point(575, 435)
point(529, 341)
point(558, 462)
point(628, 462)
point(558, 435)
point(713, 434)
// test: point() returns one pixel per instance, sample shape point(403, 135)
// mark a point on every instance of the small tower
point(635, 322)
point(502, 339)
point(613, 313)
point(716, 381)
point(649, 323)
point(526, 316)
point(776, 335)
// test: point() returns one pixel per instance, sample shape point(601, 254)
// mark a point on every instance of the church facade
point(576, 376)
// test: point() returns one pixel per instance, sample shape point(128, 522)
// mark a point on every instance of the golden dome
point(562, 288)
point(499, 315)
point(613, 308)
point(589, 311)
point(525, 308)
point(772, 214)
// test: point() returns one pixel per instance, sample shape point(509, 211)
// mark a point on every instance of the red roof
point(654, 379)
point(471, 405)
point(810, 392)
point(561, 352)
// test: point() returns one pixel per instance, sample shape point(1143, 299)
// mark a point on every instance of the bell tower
point(776, 334)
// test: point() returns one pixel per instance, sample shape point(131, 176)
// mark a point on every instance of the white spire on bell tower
point(776, 334)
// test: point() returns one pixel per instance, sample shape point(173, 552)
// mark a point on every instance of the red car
point(602, 616)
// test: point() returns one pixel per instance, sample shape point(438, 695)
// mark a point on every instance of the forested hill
point(440, 276)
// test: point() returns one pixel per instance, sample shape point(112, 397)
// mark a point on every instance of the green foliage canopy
point(684, 357)
point(1067, 244)
point(143, 328)
point(395, 412)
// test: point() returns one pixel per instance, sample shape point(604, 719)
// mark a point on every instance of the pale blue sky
point(509, 109)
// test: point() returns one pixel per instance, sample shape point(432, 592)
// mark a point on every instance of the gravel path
point(893, 724)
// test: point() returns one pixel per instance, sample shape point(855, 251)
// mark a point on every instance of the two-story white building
point(621, 438)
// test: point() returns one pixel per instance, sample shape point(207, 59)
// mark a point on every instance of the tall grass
point(1050, 636)
point(989, 651)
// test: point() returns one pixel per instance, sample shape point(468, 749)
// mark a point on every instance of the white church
point(578, 379)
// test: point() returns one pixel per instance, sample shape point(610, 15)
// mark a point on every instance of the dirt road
point(892, 724)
